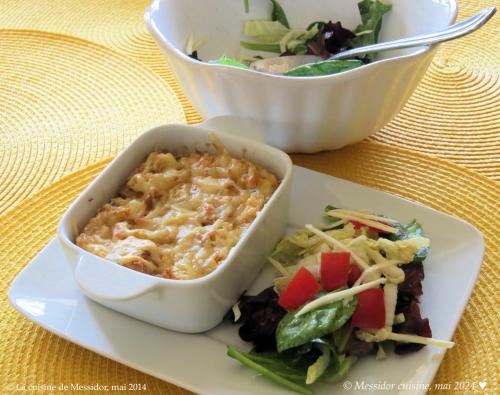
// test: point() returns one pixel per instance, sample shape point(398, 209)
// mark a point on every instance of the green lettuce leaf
point(327, 363)
point(294, 331)
point(409, 231)
point(304, 364)
point(229, 62)
point(295, 40)
point(261, 47)
point(265, 31)
point(286, 251)
point(345, 364)
point(325, 67)
point(279, 364)
point(341, 337)
point(330, 220)
point(269, 368)
point(278, 14)
point(298, 358)
point(367, 32)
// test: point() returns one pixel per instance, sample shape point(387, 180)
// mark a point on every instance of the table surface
point(443, 149)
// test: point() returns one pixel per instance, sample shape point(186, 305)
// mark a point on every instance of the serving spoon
point(450, 33)
point(279, 65)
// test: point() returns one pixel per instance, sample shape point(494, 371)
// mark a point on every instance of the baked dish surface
point(178, 216)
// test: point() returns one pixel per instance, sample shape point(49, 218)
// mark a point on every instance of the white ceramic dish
point(46, 293)
point(297, 114)
point(188, 305)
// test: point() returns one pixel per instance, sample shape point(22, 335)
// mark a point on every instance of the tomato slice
point(370, 310)
point(359, 225)
point(302, 288)
point(334, 269)
point(354, 274)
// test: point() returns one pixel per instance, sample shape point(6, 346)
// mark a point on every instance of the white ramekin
point(182, 305)
point(306, 114)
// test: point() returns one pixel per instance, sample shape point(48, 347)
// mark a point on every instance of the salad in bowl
point(297, 113)
point(301, 52)
point(344, 290)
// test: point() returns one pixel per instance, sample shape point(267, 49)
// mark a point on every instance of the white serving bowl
point(183, 305)
point(305, 114)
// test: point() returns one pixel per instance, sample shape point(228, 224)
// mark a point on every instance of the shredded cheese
point(199, 43)
point(393, 273)
point(189, 44)
point(362, 219)
point(192, 45)
point(278, 266)
point(386, 334)
point(381, 353)
point(236, 311)
point(374, 268)
point(334, 225)
point(339, 295)
point(364, 32)
point(401, 337)
point(363, 214)
point(334, 242)
point(390, 301)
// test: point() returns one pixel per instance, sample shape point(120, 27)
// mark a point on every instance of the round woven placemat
point(117, 24)
point(453, 113)
point(32, 355)
point(66, 103)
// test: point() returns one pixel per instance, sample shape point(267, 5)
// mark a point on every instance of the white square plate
point(45, 293)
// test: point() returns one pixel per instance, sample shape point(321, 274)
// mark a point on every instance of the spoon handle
point(451, 32)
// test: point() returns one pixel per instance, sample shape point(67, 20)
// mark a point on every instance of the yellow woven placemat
point(66, 103)
point(117, 24)
point(455, 111)
point(453, 114)
point(32, 355)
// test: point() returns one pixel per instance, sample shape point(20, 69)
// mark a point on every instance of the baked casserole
point(178, 216)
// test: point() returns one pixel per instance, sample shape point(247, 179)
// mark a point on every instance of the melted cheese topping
point(178, 217)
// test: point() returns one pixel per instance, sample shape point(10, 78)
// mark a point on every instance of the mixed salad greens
point(345, 290)
point(304, 52)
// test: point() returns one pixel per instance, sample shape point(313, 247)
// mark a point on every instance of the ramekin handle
point(101, 279)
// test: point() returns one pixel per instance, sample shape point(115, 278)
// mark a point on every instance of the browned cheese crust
point(178, 216)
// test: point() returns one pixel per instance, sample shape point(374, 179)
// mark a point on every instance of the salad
point(345, 290)
point(303, 51)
